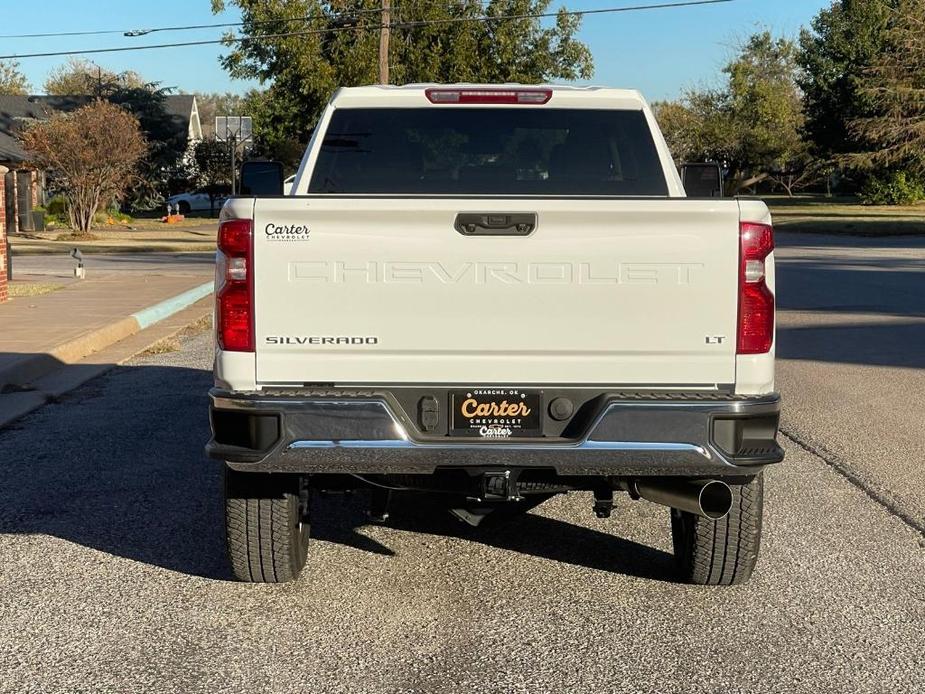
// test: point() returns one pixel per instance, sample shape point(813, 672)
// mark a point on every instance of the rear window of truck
point(488, 151)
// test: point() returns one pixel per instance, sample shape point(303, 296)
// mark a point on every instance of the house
point(182, 125)
point(17, 110)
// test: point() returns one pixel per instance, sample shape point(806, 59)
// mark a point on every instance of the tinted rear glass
point(491, 151)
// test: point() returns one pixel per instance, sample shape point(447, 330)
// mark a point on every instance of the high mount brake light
point(235, 298)
point(755, 332)
point(488, 96)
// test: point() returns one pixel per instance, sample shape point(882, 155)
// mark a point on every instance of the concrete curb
point(35, 366)
point(154, 314)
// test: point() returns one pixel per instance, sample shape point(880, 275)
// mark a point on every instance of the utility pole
point(384, 42)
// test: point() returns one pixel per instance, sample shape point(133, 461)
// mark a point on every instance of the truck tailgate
point(636, 292)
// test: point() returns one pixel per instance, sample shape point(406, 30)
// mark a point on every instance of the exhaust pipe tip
point(715, 500)
point(711, 499)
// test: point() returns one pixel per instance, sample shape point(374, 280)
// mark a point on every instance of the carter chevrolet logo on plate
point(495, 412)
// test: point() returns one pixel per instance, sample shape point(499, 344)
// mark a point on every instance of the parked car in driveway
point(201, 199)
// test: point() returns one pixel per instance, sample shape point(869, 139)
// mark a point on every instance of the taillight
point(488, 96)
point(235, 298)
point(756, 302)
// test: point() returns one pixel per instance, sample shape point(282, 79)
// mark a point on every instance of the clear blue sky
point(658, 51)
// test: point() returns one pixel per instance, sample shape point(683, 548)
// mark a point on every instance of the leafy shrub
point(109, 217)
point(55, 212)
point(57, 206)
point(893, 188)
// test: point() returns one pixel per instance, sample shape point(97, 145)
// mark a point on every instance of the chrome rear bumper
point(369, 432)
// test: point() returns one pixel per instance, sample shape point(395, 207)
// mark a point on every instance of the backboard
point(238, 127)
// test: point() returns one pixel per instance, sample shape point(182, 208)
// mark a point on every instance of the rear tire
point(266, 526)
point(722, 552)
point(184, 207)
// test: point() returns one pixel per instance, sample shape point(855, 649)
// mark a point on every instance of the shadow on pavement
point(864, 226)
point(118, 466)
point(860, 308)
point(885, 287)
point(338, 519)
point(876, 344)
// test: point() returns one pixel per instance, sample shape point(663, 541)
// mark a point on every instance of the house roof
point(15, 110)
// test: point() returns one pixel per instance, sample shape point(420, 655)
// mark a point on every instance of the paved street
point(62, 265)
point(113, 575)
point(852, 359)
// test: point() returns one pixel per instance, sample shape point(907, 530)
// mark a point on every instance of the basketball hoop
point(236, 128)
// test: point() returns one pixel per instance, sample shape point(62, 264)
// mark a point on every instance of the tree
point(678, 124)
point(79, 76)
point(163, 165)
point(894, 88)
point(12, 81)
point(92, 152)
point(303, 71)
point(699, 127)
point(212, 161)
point(843, 43)
point(751, 125)
point(799, 171)
point(166, 136)
point(766, 109)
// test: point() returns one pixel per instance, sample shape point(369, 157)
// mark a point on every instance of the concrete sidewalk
point(41, 335)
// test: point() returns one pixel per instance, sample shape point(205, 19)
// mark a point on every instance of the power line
point(307, 18)
point(188, 27)
point(62, 33)
point(370, 27)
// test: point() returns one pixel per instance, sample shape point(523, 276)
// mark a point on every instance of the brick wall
point(3, 287)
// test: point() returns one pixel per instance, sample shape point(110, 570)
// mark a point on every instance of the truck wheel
point(722, 552)
point(266, 526)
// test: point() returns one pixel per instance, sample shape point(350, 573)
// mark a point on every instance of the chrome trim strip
point(403, 441)
point(630, 446)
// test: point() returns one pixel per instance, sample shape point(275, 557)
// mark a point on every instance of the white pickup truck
point(494, 294)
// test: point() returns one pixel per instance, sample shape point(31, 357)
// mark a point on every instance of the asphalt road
point(112, 576)
point(851, 334)
point(62, 265)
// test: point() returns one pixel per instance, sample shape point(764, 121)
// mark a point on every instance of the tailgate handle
point(495, 223)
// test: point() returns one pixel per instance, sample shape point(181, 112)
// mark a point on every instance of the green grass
point(23, 289)
point(821, 215)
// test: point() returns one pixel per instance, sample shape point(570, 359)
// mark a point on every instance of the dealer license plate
point(496, 413)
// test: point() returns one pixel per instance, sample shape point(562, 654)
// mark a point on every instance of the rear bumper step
point(370, 432)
